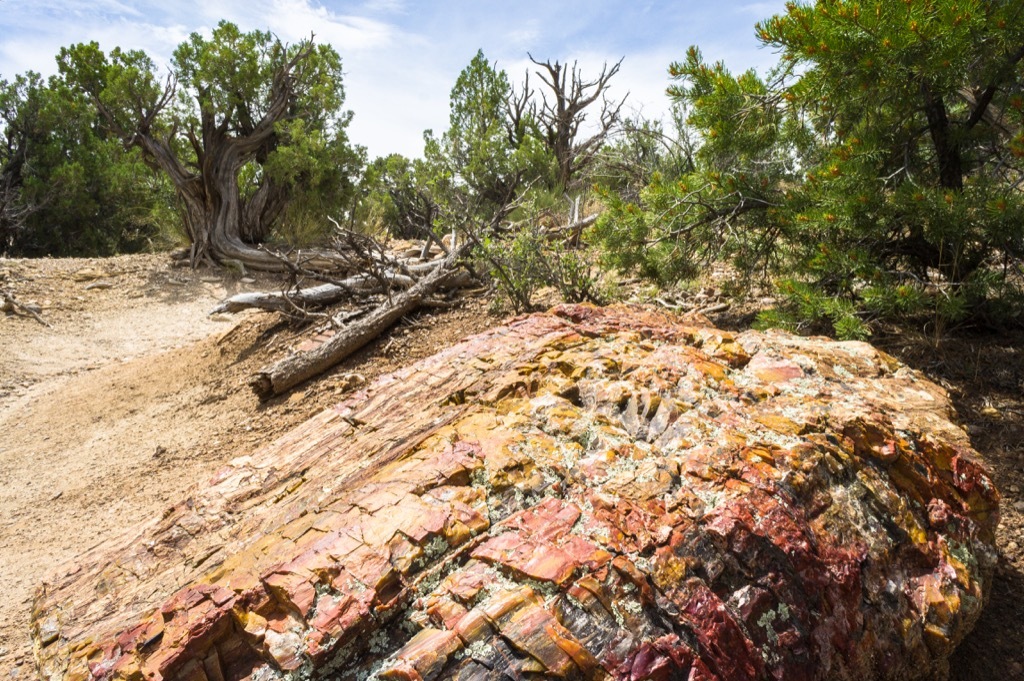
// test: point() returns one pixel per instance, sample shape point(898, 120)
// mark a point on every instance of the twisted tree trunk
point(221, 224)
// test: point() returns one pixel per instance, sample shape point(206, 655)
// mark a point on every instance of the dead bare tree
point(520, 113)
point(563, 110)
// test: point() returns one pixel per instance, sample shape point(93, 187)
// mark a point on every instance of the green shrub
point(874, 174)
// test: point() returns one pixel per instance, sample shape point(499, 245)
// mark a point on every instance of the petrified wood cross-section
point(585, 494)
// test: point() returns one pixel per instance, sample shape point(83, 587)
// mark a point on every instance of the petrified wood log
point(589, 493)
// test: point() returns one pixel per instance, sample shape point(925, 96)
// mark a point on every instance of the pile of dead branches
point(384, 285)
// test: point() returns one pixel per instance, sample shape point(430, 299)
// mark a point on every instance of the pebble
point(1012, 546)
point(1014, 488)
point(1019, 506)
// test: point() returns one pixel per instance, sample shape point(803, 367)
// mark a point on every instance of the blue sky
point(401, 57)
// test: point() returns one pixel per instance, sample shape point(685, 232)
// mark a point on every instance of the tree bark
point(288, 301)
point(575, 229)
point(980, 104)
point(947, 150)
point(957, 264)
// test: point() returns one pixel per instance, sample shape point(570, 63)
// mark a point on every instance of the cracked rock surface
point(591, 493)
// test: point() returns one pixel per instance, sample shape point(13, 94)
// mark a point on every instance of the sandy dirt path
point(91, 411)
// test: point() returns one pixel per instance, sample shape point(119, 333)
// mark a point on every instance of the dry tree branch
point(8, 303)
point(295, 369)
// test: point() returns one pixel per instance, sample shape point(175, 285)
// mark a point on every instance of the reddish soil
point(134, 395)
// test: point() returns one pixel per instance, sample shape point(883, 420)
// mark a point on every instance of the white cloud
point(19, 56)
point(76, 7)
point(396, 94)
point(35, 50)
point(523, 38)
point(387, 6)
point(295, 20)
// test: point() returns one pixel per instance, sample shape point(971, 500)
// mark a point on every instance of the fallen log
point(331, 293)
point(314, 296)
point(575, 226)
point(300, 367)
point(585, 494)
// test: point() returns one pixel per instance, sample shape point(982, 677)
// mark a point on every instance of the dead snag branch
point(564, 100)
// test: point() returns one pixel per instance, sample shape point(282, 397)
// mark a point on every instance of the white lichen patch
point(842, 372)
point(711, 498)
point(435, 547)
point(767, 436)
point(479, 650)
point(379, 643)
point(621, 607)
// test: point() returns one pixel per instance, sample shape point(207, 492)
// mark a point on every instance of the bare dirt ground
point(134, 395)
